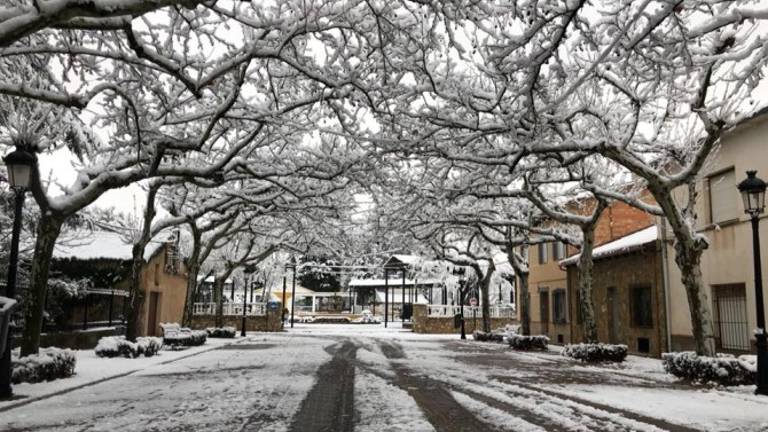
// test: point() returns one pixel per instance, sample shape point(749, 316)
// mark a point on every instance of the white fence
point(236, 309)
point(438, 311)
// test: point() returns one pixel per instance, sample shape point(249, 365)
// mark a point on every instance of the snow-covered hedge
point(117, 346)
point(221, 332)
point(481, 336)
point(525, 343)
point(49, 364)
point(597, 352)
point(725, 369)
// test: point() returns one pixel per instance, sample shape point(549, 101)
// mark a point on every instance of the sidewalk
point(91, 369)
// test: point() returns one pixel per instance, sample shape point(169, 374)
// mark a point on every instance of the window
point(157, 274)
point(558, 306)
point(558, 251)
point(543, 253)
point(642, 313)
point(723, 197)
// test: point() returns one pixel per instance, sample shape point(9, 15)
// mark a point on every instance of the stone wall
point(424, 324)
point(269, 323)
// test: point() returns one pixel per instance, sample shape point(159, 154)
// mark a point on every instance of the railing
point(236, 309)
point(444, 311)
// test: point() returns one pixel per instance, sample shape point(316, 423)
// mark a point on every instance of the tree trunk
point(137, 294)
point(218, 294)
point(48, 231)
point(689, 247)
point(485, 286)
point(587, 303)
point(688, 259)
point(193, 269)
point(525, 304)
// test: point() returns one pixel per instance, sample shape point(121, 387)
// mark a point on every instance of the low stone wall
point(80, 340)
point(424, 324)
point(269, 323)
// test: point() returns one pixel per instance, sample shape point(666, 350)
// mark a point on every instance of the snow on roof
point(396, 296)
point(393, 282)
point(212, 278)
point(408, 259)
point(619, 246)
point(88, 245)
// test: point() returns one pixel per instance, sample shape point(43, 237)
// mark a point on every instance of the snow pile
point(481, 336)
point(725, 369)
point(596, 352)
point(526, 343)
point(117, 346)
point(221, 332)
point(49, 364)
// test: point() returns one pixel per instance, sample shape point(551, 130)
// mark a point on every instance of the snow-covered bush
point(596, 352)
point(117, 346)
point(481, 336)
point(525, 343)
point(49, 364)
point(221, 332)
point(725, 369)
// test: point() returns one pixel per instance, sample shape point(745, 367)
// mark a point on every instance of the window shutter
point(723, 197)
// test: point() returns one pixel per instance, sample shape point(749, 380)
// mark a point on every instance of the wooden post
point(386, 297)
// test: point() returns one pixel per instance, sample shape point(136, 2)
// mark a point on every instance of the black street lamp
point(753, 193)
point(21, 166)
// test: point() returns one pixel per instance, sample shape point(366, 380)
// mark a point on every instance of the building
point(548, 282)
point(163, 276)
point(727, 264)
point(628, 293)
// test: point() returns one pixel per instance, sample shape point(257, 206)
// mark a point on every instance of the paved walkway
point(358, 378)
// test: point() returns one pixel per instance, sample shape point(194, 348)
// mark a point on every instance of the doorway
point(614, 322)
point(544, 311)
point(154, 303)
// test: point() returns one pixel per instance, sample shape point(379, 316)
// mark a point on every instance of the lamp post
point(753, 193)
point(20, 164)
point(460, 272)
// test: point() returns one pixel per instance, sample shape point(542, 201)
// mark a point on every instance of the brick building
point(548, 281)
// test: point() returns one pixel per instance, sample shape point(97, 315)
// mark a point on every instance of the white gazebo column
point(313, 304)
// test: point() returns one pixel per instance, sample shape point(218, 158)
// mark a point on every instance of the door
point(612, 301)
point(154, 303)
point(544, 311)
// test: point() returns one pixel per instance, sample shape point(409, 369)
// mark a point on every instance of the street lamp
point(21, 165)
point(460, 273)
point(753, 193)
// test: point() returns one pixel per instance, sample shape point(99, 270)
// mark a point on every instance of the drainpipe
point(665, 281)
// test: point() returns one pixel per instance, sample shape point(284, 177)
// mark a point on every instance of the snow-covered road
point(366, 378)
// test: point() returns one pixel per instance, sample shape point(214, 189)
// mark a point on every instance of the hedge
point(481, 336)
point(117, 346)
point(221, 332)
point(596, 352)
point(526, 343)
point(725, 369)
point(49, 364)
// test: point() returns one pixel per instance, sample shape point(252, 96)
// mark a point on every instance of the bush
point(49, 364)
point(487, 337)
point(596, 352)
point(117, 346)
point(725, 369)
point(526, 343)
point(221, 332)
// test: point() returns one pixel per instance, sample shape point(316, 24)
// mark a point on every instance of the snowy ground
point(366, 378)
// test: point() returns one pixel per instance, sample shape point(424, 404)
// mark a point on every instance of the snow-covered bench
point(175, 336)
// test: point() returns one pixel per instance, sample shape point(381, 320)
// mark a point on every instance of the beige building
point(727, 265)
